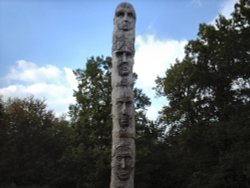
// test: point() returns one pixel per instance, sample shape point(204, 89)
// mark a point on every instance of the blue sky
point(42, 41)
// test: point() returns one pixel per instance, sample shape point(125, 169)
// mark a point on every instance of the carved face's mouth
point(125, 24)
point(123, 174)
point(124, 69)
point(124, 121)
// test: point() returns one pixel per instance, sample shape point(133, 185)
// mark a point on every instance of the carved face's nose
point(123, 163)
point(124, 109)
point(124, 57)
point(125, 17)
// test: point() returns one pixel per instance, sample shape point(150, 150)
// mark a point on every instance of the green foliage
point(92, 123)
point(29, 132)
point(206, 122)
point(41, 150)
point(208, 112)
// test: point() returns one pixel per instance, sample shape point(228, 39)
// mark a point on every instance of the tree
point(91, 119)
point(209, 95)
point(29, 134)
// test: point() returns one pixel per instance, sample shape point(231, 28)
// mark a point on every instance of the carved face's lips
point(124, 68)
point(124, 121)
point(124, 71)
point(123, 174)
point(125, 25)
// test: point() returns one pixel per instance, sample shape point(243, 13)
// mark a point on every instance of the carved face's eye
point(128, 54)
point(128, 159)
point(128, 103)
point(130, 14)
point(119, 158)
point(119, 103)
point(119, 54)
point(120, 14)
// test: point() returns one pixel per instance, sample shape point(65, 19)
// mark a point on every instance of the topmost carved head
point(125, 17)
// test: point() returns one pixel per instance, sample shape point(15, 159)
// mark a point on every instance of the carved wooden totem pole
point(123, 133)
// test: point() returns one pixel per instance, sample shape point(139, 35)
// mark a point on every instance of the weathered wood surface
point(123, 133)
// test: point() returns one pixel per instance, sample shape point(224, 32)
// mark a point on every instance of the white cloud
point(153, 57)
point(70, 77)
point(47, 82)
point(56, 85)
point(30, 72)
point(227, 7)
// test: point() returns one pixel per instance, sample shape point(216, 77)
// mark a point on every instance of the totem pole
point(123, 133)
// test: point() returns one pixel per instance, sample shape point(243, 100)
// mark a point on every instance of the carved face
point(125, 110)
point(123, 82)
point(122, 162)
point(125, 60)
point(123, 133)
point(124, 69)
point(125, 17)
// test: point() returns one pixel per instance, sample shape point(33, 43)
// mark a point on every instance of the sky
point(43, 41)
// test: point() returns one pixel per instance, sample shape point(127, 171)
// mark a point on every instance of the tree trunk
point(123, 133)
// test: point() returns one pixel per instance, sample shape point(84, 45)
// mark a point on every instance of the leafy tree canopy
point(92, 121)
point(209, 104)
point(32, 141)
